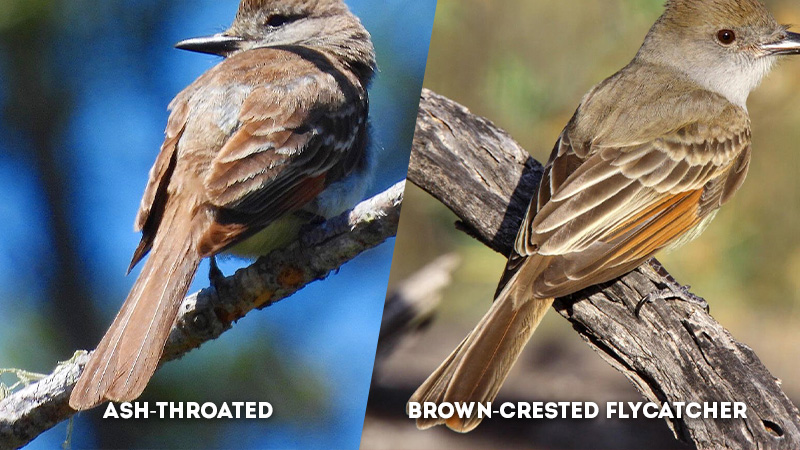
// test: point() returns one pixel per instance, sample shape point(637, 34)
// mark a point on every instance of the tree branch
point(413, 302)
point(672, 352)
point(205, 315)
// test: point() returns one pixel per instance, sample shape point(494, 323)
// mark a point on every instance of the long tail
point(128, 354)
point(478, 367)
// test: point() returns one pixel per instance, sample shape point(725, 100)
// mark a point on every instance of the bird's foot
point(320, 230)
point(672, 291)
point(215, 275)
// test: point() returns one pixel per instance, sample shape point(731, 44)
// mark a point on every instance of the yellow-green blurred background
point(525, 64)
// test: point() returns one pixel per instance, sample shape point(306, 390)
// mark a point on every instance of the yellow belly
point(278, 235)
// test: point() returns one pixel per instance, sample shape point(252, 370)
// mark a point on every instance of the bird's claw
point(321, 230)
point(215, 275)
point(672, 291)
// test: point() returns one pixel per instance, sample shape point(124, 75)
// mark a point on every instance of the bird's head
point(727, 46)
point(324, 25)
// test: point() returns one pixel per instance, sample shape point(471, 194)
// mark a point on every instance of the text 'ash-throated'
point(644, 164)
point(274, 132)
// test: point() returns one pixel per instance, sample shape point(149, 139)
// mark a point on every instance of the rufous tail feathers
point(478, 367)
point(128, 354)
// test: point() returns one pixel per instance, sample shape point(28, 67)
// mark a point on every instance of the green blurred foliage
point(525, 65)
point(14, 12)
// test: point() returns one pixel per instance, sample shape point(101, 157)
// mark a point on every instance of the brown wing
point(154, 199)
point(302, 118)
point(603, 210)
point(283, 153)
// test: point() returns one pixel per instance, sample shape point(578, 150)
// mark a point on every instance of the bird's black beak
point(218, 44)
point(789, 45)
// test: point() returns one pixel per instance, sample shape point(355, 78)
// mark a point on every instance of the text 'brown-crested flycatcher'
point(277, 129)
point(649, 156)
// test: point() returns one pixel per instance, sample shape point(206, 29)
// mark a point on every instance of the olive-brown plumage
point(645, 162)
point(277, 128)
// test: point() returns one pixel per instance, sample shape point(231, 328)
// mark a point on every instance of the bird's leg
point(318, 229)
point(683, 292)
point(215, 275)
point(674, 290)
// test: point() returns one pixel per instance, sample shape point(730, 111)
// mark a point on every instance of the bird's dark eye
point(277, 20)
point(726, 37)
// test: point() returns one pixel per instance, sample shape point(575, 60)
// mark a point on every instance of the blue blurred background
point(85, 84)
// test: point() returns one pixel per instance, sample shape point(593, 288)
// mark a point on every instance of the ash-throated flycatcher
point(649, 156)
point(278, 129)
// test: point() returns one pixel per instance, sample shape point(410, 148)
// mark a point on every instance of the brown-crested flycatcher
point(649, 156)
point(277, 129)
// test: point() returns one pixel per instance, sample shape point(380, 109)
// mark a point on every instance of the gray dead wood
point(411, 305)
point(207, 314)
point(673, 352)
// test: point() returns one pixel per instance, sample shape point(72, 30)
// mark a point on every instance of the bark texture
point(207, 314)
point(672, 350)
